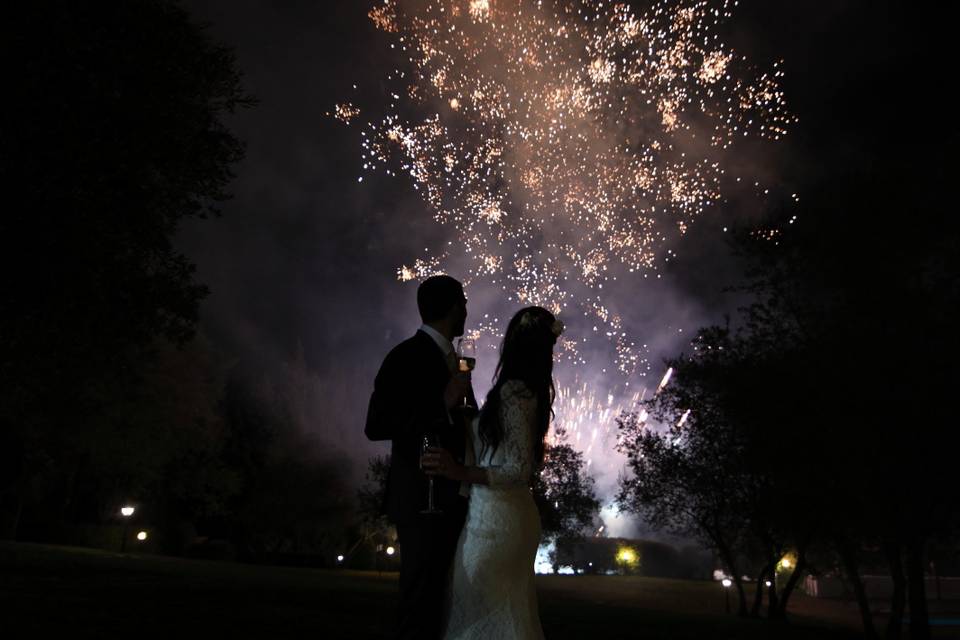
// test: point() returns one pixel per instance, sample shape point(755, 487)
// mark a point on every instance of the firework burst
point(565, 143)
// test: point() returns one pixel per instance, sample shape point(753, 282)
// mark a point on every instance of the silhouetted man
point(417, 392)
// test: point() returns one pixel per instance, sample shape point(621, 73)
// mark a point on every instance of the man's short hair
point(437, 295)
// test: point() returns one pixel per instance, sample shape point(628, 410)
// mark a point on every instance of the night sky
point(305, 255)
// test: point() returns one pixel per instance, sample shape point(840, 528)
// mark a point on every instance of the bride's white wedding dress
point(493, 596)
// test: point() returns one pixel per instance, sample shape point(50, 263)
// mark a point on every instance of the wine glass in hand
point(426, 442)
point(466, 361)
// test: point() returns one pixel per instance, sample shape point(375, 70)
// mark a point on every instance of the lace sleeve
point(518, 410)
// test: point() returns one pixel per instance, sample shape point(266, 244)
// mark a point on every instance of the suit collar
point(446, 347)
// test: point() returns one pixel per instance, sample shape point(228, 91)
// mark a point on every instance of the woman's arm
point(518, 411)
point(439, 462)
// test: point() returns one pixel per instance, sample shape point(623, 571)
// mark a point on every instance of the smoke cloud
point(303, 263)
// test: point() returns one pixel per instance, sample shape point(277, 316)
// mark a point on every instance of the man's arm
point(402, 405)
point(386, 410)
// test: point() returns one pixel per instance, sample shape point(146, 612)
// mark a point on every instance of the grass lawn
point(53, 592)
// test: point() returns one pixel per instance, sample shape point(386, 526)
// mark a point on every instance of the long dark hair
point(526, 354)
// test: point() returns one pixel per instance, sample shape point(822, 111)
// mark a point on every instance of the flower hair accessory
point(528, 319)
point(557, 328)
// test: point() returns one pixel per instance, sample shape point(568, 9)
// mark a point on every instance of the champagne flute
point(428, 440)
point(467, 361)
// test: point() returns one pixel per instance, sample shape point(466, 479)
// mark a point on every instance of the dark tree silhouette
point(292, 500)
point(565, 497)
point(869, 309)
point(800, 384)
point(113, 133)
point(370, 495)
point(374, 528)
point(163, 448)
point(688, 480)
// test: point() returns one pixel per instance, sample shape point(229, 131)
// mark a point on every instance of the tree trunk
point(10, 527)
point(773, 598)
point(891, 549)
point(727, 557)
point(848, 555)
point(742, 596)
point(19, 490)
point(919, 618)
point(792, 581)
point(758, 594)
point(15, 525)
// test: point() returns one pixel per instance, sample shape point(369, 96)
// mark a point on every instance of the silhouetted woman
point(493, 593)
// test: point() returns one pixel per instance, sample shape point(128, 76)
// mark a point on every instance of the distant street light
point(767, 582)
point(340, 558)
point(126, 511)
point(141, 536)
point(390, 551)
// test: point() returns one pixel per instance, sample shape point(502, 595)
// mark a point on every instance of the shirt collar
point(445, 345)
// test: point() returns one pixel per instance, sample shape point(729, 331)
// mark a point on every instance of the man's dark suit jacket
point(407, 402)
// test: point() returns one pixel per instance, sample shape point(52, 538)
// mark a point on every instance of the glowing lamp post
point(726, 582)
point(628, 559)
point(785, 565)
point(388, 551)
point(340, 559)
point(126, 511)
point(141, 536)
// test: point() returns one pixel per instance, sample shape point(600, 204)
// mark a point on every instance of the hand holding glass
point(467, 360)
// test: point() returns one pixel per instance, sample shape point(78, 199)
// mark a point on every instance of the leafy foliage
point(565, 495)
point(114, 134)
point(370, 498)
point(798, 386)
